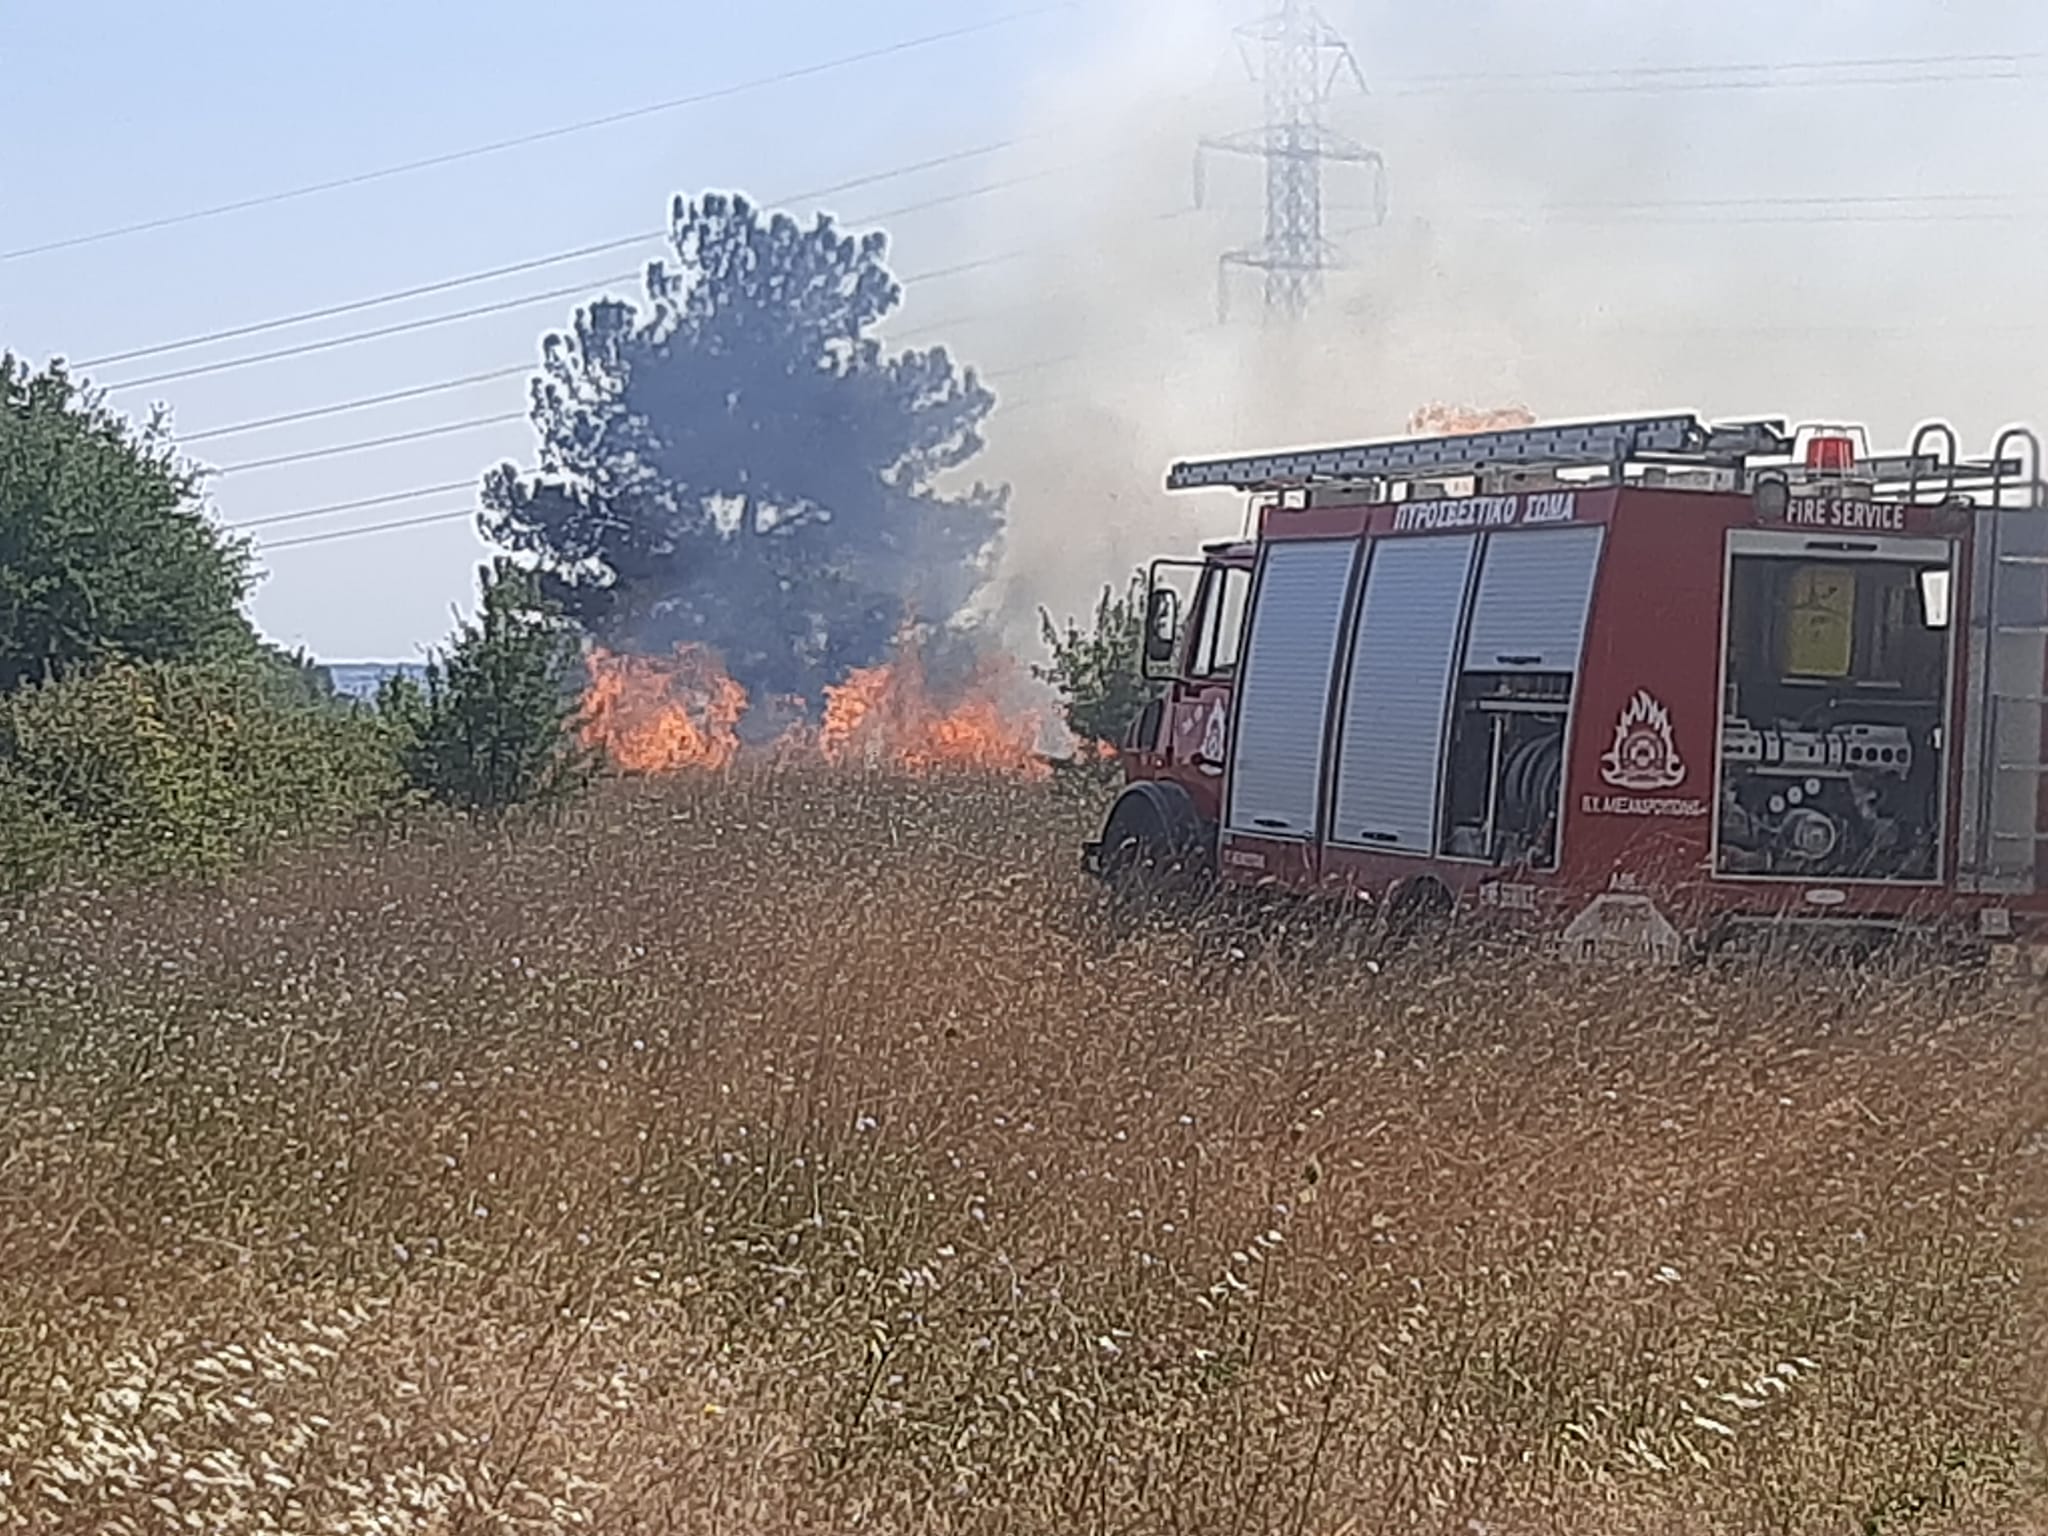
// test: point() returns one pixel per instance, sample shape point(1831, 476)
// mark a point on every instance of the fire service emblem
point(1643, 757)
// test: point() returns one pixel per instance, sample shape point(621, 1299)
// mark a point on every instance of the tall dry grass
point(796, 1153)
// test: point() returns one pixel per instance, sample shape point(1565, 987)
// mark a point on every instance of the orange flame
point(655, 714)
point(1440, 420)
point(662, 714)
point(885, 715)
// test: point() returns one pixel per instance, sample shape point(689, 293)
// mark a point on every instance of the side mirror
point(1162, 624)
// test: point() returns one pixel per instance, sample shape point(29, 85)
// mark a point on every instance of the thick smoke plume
point(1586, 219)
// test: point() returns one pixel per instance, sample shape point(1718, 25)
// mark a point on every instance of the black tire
point(1419, 912)
point(1154, 840)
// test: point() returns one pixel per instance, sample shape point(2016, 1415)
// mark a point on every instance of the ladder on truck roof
point(1744, 447)
point(2005, 802)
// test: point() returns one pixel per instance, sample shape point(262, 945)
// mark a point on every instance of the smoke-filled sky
point(1597, 207)
point(1806, 247)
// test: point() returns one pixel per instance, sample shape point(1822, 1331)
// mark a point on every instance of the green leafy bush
point(159, 768)
point(106, 551)
point(1099, 673)
point(493, 724)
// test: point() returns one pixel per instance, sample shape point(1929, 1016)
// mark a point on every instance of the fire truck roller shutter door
point(1389, 767)
point(1289, 656)
point(1503, 778)
point(1534, 593)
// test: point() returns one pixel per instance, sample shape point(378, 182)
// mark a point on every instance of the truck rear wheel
point(1417, 912)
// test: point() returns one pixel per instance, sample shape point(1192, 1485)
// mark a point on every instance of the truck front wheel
point(1153, 837)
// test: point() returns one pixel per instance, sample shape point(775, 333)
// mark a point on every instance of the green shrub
point(493, 725)
point(1099, 673)
point(106, 551)
point(145, 727)
point(152, 769)
point(38, 841)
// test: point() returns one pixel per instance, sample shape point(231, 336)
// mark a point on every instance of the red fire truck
point(1636, 684)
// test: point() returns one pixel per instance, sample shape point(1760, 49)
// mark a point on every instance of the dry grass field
point(801, 1153)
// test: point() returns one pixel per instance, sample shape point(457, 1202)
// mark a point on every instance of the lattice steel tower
point(1304, 61)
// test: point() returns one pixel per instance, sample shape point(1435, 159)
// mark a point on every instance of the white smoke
point(1500, 277)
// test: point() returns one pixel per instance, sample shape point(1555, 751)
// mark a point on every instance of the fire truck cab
point(1636, 684)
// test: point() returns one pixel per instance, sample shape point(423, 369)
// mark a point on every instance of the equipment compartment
point(1834, 710)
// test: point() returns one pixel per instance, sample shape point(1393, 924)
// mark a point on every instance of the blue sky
point(1860, 249)
point(147, 110)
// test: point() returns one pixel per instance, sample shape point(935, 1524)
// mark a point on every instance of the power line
point(476, 423)
point(527, 301)
point(443, 386)
point(401, 328)
point(421, 493)
point(356, 533)
point(479, 422)
point(1710, 213)
point(522, 301)
point(353, 306)
point(1954, 69)
point(342, 450)
point(541, 136)
point(1816, 200)
point(535, 264)
point(1782, 66)
point(364, 402)
point(1701, 86)
point(1008, 408)
point(1722, 207)
point(467, 512)
point(1707, 218)
point(392, 498)
point(360, 403)
point(1417, 85)
point(1018, 371)
point(1639, 79)
point(1998, 206)
point(315, 413)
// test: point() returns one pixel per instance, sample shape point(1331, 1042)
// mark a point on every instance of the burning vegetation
point(684, 711)
point(888, 715)
point(937, 702)
point(661, 714)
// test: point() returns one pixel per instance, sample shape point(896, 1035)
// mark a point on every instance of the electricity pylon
point(1304, 62)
